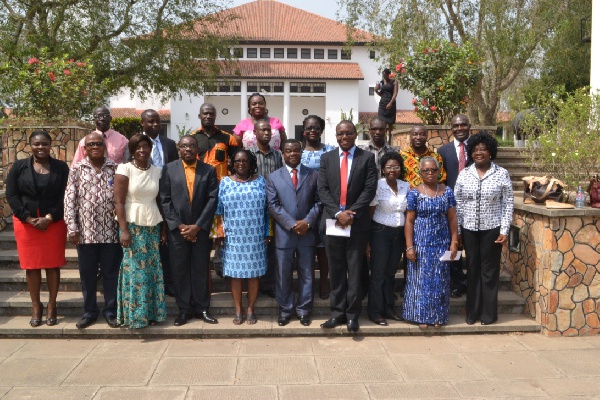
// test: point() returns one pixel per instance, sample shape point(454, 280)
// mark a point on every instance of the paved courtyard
point(453, 367)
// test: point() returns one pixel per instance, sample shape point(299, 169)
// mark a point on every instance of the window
point(332, 54)
point(371, 91)
point(307, 87)
point(305, 54)
point(251, 52)
point(238, 52)
point(226, 87)
point(292, 53)
point(346, 55)
point(270, 87)
point(372, 54)
point(265, 53)
point(319, 54)
point(278, 53)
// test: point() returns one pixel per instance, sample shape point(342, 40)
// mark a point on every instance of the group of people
point(146, 212)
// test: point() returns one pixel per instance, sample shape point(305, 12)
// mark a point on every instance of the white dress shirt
point(390, 207)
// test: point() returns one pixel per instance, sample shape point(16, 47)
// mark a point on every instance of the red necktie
point(462, 161)
point(344, 179)
point(295, 177)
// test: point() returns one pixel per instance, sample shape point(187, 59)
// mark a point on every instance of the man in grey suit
point(188, 193)
point(294, 205)
point(455, 158)
point(347, 184)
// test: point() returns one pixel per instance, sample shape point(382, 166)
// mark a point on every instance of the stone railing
point(554, 260)
point(439, 135)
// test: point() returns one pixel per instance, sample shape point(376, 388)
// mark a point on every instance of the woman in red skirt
point(35, 190)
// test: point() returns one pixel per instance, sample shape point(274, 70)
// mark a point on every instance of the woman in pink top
point(244, 130)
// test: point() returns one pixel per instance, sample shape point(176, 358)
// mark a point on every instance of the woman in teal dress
point(431, 228)
point(243, 206)
point(140, 292)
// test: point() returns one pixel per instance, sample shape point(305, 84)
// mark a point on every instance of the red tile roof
point(291, 70)
point(165, 115)
point(269, 21)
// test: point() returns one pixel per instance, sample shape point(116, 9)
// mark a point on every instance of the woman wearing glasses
point(141, 293)
point(312, 151)
point(431, 228)
point(387, 238)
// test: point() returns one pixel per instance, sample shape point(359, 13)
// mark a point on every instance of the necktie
point(156, 158)
point(344, 180)
point(462, 161)
point(295, 177)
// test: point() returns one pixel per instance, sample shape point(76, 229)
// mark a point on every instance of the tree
point(507, 33)
point(148, 46)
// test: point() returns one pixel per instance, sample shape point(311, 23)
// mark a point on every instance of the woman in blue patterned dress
point(431, 228)
point(243, 206)
point(312, 150)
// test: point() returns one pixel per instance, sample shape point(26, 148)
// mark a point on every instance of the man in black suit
point(456, 158)
point(188, 192)
point(164, 150)
point(346, 184)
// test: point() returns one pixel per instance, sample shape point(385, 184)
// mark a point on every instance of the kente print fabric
point(412, 167)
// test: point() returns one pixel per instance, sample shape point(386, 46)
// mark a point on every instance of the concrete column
point(595, 62)
point(286, 109)
point(244, 99)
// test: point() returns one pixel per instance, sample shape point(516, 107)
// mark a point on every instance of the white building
point(297, 59)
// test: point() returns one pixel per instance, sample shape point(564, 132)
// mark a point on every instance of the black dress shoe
point(333, 322)
point(111, 320)
point(84, 322)
point(379, 321)
point(394, 316)
point(283, 321)
point(205, 315)
point(470, 321)
point(182, 319)
point(353, 326)
point(305, 320)
point(456, 293)
point(269, 292)
point(488, 323)
point(169, 292)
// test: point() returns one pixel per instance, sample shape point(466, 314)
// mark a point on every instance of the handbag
point(594, 191)
point(538, 189)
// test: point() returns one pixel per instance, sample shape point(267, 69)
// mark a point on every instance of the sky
point(326, 8)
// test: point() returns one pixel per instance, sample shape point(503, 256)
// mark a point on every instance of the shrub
point(127, 126)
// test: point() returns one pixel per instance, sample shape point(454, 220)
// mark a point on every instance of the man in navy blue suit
point(294, 205)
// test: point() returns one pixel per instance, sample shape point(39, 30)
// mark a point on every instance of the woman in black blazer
point(35, 190)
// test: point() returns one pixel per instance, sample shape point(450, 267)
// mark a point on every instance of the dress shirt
point(116, 147)
point(290, 169)
point(156, 143)
point(390, 207)
point(484, 203)
point(350, 158)
point(208, 146)
point(457, 149)
point(378, 152)
point(412, 166)
point(267, 162)
point(89, 203)
point(190, 177)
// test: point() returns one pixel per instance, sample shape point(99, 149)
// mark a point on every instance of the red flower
point(51, 75)
point(392, 75)
point(426, 51)
point(71, 61)
point(433, 108)
point(33, 60)
point(416, 109)
point(403, 71)
point(49, 64)
point(414, 102)
point(67, 72)
point(84, 92)
point(399, 67)
point(424, 102)
point(80, 64)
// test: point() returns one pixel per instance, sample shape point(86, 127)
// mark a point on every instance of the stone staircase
point(516, 161)
point(15, 310)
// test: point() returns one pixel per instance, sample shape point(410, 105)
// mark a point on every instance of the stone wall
point(439, 135)
point(557, 268)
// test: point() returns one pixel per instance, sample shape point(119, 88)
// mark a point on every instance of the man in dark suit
point(188, 191)
point(294, 204)
point(456, 158)
point(347, 184)
point(164, 150)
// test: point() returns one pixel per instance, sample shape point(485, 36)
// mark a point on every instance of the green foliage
point(440, 74)
point(127, 126)
point(183, 130)
point(54, 88)
point(569, 145)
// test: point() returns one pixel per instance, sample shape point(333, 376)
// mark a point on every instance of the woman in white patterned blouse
point(484, 199)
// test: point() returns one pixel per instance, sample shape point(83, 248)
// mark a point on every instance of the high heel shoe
point(36, 320)
point(51, 319)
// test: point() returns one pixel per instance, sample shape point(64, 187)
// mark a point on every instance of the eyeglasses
point(345, 134)
point(94, 144)
point(241, 161)
point(396, 168)
point(188, 146)
point(430, 171)
point(313, 128)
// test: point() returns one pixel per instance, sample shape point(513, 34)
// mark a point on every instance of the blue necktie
point(156, 158)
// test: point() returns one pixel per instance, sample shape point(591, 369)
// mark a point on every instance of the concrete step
point(18, 326)
point(71, 304)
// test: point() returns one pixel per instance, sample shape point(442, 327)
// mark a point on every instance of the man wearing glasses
point(115, 143)
point(413, 155)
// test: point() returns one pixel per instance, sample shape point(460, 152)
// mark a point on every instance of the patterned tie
point(462, 161)
point(344, 180)
point(156, 158)
point(295, 177)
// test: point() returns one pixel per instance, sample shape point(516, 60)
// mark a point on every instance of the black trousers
point(267, 281)
point(345, 257)
point(165, 263)
point(107, 257)
point(189, 271)
point(483, 273)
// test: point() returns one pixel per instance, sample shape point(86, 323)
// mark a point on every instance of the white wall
point(341, 95)
point(123, 99)
point(231, 103)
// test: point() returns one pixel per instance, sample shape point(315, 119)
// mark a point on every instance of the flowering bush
point(51, 88)
point(440, 74)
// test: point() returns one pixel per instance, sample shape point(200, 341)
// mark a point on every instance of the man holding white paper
point(346, 185)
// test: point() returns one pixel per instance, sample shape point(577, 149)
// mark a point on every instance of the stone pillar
point(287, 109)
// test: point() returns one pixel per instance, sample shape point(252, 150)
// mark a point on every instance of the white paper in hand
point(331, 229)
point(448, 253)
